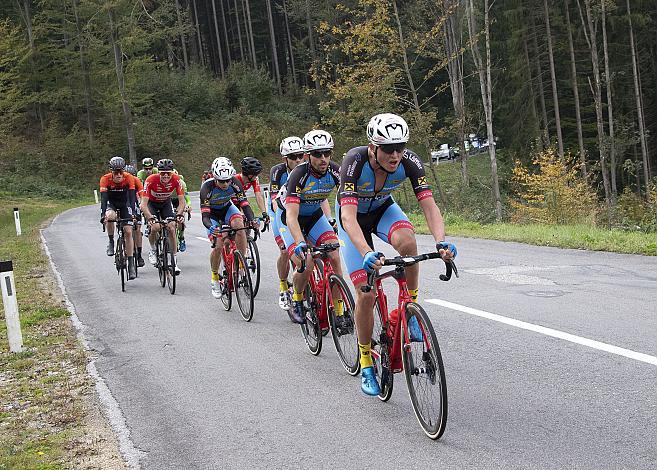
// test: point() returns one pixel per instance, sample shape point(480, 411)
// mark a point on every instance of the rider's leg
point(403, 240)
point(129, 244)
point(110, 217)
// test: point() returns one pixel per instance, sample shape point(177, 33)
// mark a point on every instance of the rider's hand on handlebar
point(151, 220)
point(300, 249)
point(447, 250)
point(373, 260)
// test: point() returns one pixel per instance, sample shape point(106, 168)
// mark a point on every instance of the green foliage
point(12, 81)
point(636, 212)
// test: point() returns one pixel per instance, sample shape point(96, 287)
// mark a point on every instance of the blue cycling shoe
point(414, 330)
point(182, 246)
point(368, 384)
point(298, 314)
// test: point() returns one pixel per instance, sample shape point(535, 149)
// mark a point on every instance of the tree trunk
point(274, 52)
point(118, 65)
point(573, 72)
point(486, 96)
point(216, 33)
point(239, 30)
point(27, 18)
point(541, 89)
point(452, 35)
point(639, 103)
point(311, 40)
point(555, 95)
point(86, 82)
point(197, 25)
point(250, 24)
point(183, 40)
point(610, 112)
point(530, 82)
point(597, 96)
point(223, 21)
point(289, 44)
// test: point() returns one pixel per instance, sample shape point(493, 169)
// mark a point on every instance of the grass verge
point(562, 236)
point(45, 392)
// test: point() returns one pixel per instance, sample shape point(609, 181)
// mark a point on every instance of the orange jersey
point(139, 187)
point(156, 191)
point(108, 185)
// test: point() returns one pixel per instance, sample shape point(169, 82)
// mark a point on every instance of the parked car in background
point(444, 153)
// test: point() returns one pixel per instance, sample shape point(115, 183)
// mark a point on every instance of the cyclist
point(117, 198)
point(251, 168)
point(207, 174)
point(217, 209)
point(369, 174)
point(301, 215)
point(291, 149)
point(147, 169)
point(156, 202)
point(139, 188)
point(182, 245)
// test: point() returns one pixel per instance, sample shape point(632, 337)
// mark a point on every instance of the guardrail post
point(11, 306)
point(17, 220)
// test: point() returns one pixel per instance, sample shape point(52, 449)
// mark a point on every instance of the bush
point(634, 212)
point(554, 194)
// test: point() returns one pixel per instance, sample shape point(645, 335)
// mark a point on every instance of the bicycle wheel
point(425, 375)
point(253, 261)
point(381, 343)
point(344, 329)
point(242, 285)
point(226, 294)
point(312, 330)
point(171, 267)
point(120, 260)
point(161, 261)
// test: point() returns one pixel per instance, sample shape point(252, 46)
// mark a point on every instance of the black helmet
point(165, 164)
point(117, 163)
point(251, 166)
point(131, 169)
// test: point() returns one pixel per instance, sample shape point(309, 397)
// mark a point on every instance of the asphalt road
point(198, 387)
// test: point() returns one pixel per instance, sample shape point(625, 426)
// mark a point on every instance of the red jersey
point(255, 184)
point(155, 190)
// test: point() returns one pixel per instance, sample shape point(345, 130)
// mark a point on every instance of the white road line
point(205, 239)
point(548, 331)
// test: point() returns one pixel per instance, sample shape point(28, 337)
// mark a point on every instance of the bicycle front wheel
point(312, 330)
point(120, 260)
point(161, 261)
point(171, 267)
point(243, 286)
point(343, 327)
point(226, 294)
point(424, 371)
point(253, 261)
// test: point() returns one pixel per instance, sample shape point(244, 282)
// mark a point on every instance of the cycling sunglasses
point(166, 173)
point(392, 148)
point(321, 153)
point(295, 156)
point(117, 172)
point(223, 181)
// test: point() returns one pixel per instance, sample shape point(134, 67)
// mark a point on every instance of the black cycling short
point(163, 210)
point(121, 211)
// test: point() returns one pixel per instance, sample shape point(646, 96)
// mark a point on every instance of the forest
point(563, 90)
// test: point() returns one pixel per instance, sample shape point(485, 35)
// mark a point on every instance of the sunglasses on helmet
point(392, 148)
point(295, 156)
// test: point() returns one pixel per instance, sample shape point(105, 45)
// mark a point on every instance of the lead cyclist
point(368, 176)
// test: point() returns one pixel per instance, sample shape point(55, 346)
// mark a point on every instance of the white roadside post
point(265, 191)
point(11, 306)
point(17, 220)
point(96, 195)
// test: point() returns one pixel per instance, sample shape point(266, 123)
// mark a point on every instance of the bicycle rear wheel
point(344, 334)
point(425, 375)
point(381, 344)
point(312, 330)
point(243, 287)
point(170, 267)
point(253, 261)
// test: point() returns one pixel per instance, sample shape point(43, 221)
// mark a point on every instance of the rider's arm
point(292, 219)
point(204, 196)
point(259, 199)
point(144, 201)
point(350, 224)
point(104, 196)
point(350, 169)
point(326, 208)
point(416, 174)
point(181, 196)
point(242, 201)
point(434, 218)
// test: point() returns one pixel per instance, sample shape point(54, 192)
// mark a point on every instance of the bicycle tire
point(120, 260)
point(243, 286)
point(254, 256)
point(226, 294)
point(346, 342)
point(426, 378)
point(170, 267)
point(381, 344)
point(161, 263)
point(311, 330)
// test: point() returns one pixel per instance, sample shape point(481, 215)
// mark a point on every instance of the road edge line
point(111, 408)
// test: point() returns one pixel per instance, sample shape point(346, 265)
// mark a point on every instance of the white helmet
point(290, 145)
point(387, 128)
point(222, 169)
point(317, 140)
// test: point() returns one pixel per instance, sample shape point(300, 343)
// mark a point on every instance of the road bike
point(319, 307)
point(395, 350)
point(120, 257)
point(234, 275)
point(166, 261)
point(253, 255)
